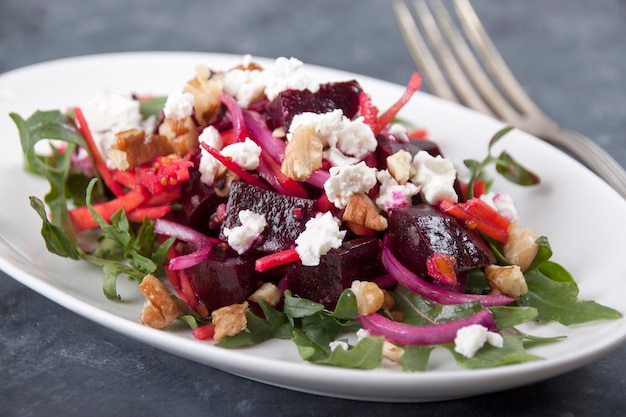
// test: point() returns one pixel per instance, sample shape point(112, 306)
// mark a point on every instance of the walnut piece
point(400, 166)
point(132, 148)
point(206, 91)
point(229, 320)
point(369, 297)
point(182, 135)
point(507, 280)
point(392, 352)
point(160, 309)
point(303, 154)
point(520, 247)
point(267, 292)
point(362, 210)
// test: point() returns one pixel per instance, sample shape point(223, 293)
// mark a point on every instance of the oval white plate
point(581, 215)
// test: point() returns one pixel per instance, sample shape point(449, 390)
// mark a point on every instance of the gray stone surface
point(570, 55)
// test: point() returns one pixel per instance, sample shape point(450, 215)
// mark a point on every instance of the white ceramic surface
point(582, 216)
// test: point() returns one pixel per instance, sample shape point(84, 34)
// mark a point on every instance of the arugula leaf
point(417, 310)
point(56, 239)
point(367, 354)
point(553, 292)
point(489, 356)
point(508, 316)
point(505, 165)
point(415, 358)
point(152, 106)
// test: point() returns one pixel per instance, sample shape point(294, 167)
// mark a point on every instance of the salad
point(254, 204)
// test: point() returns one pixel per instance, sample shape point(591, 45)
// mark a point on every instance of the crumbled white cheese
point(249, 85)
point(209, 166)
point(241, 238)
point(335, 344)
point(245, 154)
point(109, 112)
point(362, 334)
point(352, 137)
point(285, 74)
point(347, 180)
point(470, 339)
point(179, 105)
point(502, 203)
point(399, 132)
point(392, 194)
point(436, 176)
point(321, 234)
point(356, 138)
point(337, 158)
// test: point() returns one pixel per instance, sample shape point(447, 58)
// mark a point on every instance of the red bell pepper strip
point(233, 166)
point(368, 110)
point(276, 259)
point(479, 188)
point(98, 160)
point(82, 219)
point(440, 267)
point(204, 332)
point(476, 214)
point(150, 213)
point(414, 84)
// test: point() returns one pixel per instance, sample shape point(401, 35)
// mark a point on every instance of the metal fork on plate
point(458, 74)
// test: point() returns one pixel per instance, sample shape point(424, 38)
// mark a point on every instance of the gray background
point(570, 55)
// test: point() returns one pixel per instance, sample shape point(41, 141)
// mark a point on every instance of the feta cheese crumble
point(321, 234)
point(246, 154)
point(209, 166)
point(470, 339)
point(336, 344)
point(392, 194)
point(347, 180)
point(241, 238)
point(179, 105)
point(436, 176)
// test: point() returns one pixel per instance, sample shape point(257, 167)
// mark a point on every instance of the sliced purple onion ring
point(202, 244)
point(408, 334)
point(416, 284)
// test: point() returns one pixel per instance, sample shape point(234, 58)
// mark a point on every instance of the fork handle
point(592, 155)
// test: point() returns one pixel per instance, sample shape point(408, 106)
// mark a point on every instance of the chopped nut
point(388, 302)
point(362, 210)
point(369, 297)
point(182, 135)
point(229, 320)
point(400, 166)
point(392, 352)
point(160, 309)
point(267, 292)
point(303, 154)
point(520, 247)
point(507, 280)
point(206, 92)
point(132, 148)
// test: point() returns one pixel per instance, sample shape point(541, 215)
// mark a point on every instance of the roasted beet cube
point(286, 216)
point(225, 278)
point(415, 233)
point(199, 202)
point(329, 97)
point(357, 259)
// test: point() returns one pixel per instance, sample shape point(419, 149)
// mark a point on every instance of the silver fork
point(461, 77)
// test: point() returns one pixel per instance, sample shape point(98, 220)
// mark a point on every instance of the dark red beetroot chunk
point(286, 216)
point(357, 259)
point(415, 233)
point(329, 97)
point(387, 146)
point(225, 278)
point(199, 203)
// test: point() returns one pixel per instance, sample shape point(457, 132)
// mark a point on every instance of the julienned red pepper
point(82, 219)
point(204, 332)
point(368, 110)
point(414, 84)
point(276, 259)
point(476, 214)
point(98, 160)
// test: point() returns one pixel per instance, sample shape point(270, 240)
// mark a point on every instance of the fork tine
point(492, 59)
point(456, 75)
point(420, 53)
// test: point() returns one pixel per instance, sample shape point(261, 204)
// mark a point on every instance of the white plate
point(581, 215)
